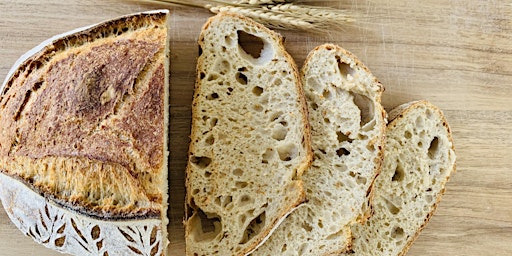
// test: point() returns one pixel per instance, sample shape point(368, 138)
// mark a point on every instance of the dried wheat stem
point(261, 2)
point(266, 17)
point(282, 14)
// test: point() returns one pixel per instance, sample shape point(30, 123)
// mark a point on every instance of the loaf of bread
point(348, 125)
point(419, 159)
point(83, 148)
point(250, 138)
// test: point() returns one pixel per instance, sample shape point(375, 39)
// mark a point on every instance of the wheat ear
point(280, 14)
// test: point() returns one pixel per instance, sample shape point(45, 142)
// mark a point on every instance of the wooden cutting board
point(457, 54)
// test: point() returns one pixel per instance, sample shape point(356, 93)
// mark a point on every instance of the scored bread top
point(249, 140)
point(83, 119)
point(419, 160)
point(347, 125)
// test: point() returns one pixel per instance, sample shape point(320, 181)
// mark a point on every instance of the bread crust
point(38, 87)
point(62, 186)
point(277, 41)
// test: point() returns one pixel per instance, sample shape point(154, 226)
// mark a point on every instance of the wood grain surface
point(456, 54)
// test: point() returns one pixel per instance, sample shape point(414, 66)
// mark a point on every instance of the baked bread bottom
point(68, 232)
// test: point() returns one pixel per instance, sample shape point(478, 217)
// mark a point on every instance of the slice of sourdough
point(249, 141)
point(348, 124)
point(83, 148)
point(419, 159)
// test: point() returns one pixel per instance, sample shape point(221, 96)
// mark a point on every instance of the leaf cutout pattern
point(90, 235)
point(48, 227)
point(65, 231)
point(142, 240)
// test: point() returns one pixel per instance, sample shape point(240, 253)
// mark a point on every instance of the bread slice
point(348, 124)
point(419, 159)
point(249, 139)
point(83, 148)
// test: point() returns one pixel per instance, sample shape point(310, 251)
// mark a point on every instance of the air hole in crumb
point(391, 207)
point(210, 140)
point(307, 227)
point(241, 184)
point(420, 122)
point(275, 116)
point(206, 225)
point(238, 172)
point(241, 78)
point(213, 122)
point(250, 44)
point(399, 173)
point(397, 233)
point(365, 106)
point(327, 94)
point(212, 77)
point(314, 106)
point(207, 174)
point(212, 96)
point(245, 200)
point(343, 137)
point(254, 228)
point(257, 90)
point(201, 162)
point(342, 152)
point(361, 180)
point(242, 219)
point(433, 148)
point(267, 155)
point(279, 132)
point(407, 134)
point(287, 152)
point(258, 108)
point(227, 200)
point(228, 39)
point(344, 68)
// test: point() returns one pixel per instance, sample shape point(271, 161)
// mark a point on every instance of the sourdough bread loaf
point(83, 148)
point(347, 123)
point(419, 159)
point(249, 139)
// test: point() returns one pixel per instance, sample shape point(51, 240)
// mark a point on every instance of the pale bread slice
point(419, 159)
point(83, 148)
point(250, 139)
point(348, 124)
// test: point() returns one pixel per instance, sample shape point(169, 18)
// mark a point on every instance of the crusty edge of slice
point(383, 113)
point(397, 113)
point(309, 157)
point(380, 160)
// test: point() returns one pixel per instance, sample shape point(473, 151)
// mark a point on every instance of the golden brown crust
point(93, 97)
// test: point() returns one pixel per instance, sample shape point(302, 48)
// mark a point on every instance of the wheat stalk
point(280, 14)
